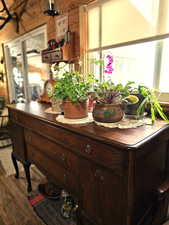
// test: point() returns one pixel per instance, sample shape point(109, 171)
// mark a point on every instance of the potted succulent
point(73, 88)
point(110, 101)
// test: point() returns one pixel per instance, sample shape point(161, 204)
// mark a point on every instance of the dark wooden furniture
point(5, 139)
point(118, 176)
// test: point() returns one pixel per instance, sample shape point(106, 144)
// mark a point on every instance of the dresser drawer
point(64, 158)
point(53, 170)
point(88, 147)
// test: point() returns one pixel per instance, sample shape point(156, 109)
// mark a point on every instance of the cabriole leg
point(15, 165)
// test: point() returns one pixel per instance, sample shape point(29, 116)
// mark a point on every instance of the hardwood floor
point(14, 206)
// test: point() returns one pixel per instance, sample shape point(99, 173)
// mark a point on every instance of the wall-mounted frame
point(62, 24)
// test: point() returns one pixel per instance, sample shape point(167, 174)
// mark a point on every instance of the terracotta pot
point(108, 113)
point(77, 110)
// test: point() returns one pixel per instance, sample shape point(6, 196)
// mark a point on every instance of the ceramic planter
point(131, 109)
point(77, 110)
point(108, 113)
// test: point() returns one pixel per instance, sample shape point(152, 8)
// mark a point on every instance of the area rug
point(48, 210)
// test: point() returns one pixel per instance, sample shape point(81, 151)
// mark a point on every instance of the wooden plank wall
point(34, 17)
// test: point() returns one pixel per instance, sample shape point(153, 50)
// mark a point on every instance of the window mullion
point(157, 64)
point(25, 70)
point(100, 41)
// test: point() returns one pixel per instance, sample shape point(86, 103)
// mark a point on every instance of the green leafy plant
point(150, 101)
point(73, 86)
point(110, 93)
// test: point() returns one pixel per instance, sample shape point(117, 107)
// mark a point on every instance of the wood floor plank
point(1, 221)
point(21, 202)
point(14, 205)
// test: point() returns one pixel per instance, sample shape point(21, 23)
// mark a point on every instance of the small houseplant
point(73, 88)
point(110, 100)
point(150, 103)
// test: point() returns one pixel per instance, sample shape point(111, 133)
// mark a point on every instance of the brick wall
point(34, 17)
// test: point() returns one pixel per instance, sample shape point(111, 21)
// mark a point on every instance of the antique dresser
point(118, 176)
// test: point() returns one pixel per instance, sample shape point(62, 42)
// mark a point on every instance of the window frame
point(158, 55)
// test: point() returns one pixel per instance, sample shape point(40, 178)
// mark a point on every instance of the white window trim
point(24, 37)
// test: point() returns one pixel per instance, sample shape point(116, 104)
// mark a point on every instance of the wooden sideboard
point(118, 176)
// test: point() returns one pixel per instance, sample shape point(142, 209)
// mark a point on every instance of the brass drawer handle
point(64, 160)
point(63, 157)
point(65, 178)
point(98, 175)
point(88, 149)
point(29, 138)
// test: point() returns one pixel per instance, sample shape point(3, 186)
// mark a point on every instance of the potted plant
point(110, 100)
point(73, 88)
point(150, 104)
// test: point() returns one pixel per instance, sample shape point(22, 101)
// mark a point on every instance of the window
point(136, 34)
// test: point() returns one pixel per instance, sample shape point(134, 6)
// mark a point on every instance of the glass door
point(36, 70)
point(15, 74)
point(26, 73)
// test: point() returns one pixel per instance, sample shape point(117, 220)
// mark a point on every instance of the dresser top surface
point(125, 138)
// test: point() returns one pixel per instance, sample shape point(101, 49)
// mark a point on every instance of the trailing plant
point(150, 101)
point(73, 86)
point(110, 93)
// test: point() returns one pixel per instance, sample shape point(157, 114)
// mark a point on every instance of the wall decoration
point(61, 26)
point(13, 12)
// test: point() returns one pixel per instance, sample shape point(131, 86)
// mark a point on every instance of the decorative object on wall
point(61, 27)
point(14, 12)
point(50, 8)
point(53, 53)
point(6, 15)
point(59, 51)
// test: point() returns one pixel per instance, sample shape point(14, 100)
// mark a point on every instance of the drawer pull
point(98, 175)
point(88, 149)
point(65, 178)
point(29, 138)
point(63, 158)
point(64, 161)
